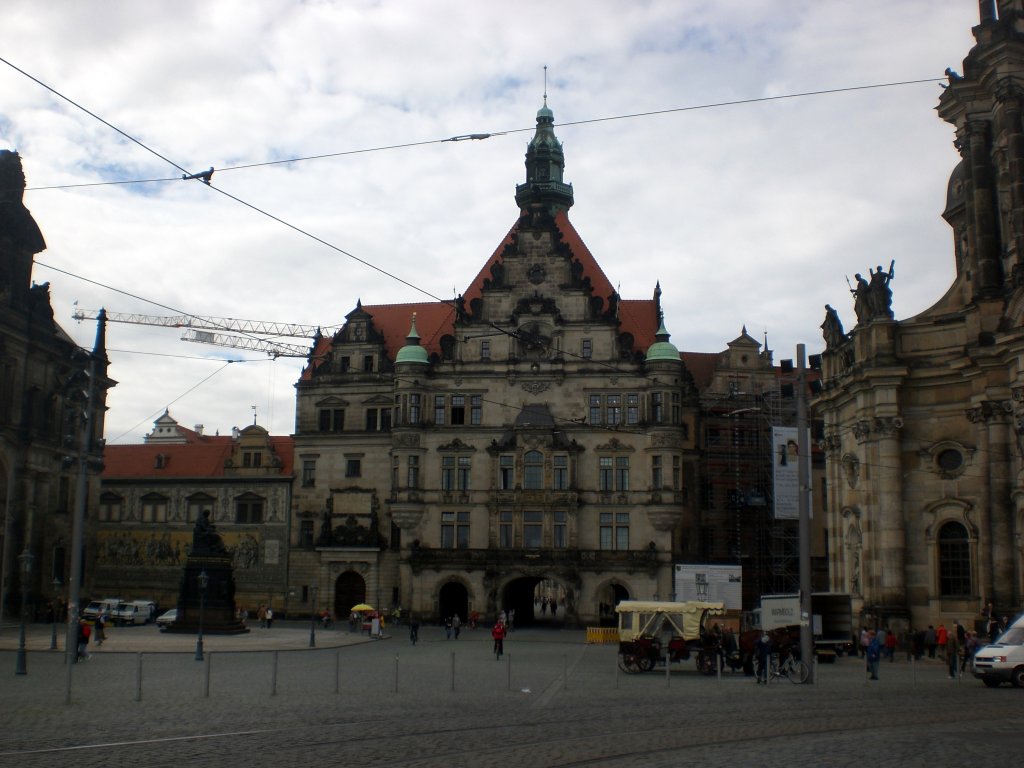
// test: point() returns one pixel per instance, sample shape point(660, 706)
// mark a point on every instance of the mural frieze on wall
point(171, 549)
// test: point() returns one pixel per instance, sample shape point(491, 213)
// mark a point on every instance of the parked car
point(167, 618)
point(135, 612)
point(1003, 660)
point(107, 605)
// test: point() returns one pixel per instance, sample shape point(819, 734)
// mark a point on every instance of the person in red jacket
point(498, 633)
point(941, 636)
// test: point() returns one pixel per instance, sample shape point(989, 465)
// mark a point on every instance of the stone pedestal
point(218, 608)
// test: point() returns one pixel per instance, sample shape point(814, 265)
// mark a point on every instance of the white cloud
point(747, 214)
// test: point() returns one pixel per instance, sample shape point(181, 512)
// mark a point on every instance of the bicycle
point(790, 667)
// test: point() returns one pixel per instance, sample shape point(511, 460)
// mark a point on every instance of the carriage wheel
point(646, 663)
point(628, 663)
point(706, 663)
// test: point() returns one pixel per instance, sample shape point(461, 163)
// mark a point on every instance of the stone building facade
point(534, 438)
point(48, 441)
point(154, 492)
point(924, 416)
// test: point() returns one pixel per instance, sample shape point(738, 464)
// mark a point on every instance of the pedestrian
point(380, 628)
point(101, 634)
point(890, 645)
point(873, 655)
point(414, 629)
point(270, 617)
point(456, 625)
point(554, 607)
point(970, 647)
point(930, 637)
point(83, 641)
point(953, 651)
point(261, 614)
point(244, 616)
point(764, 655)
point(498, 633)
point(448, 628)
point(865, 638)
point(510, 623)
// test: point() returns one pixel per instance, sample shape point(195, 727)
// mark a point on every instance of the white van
point(1003, 661)
point(105, 606)
point(135, 612)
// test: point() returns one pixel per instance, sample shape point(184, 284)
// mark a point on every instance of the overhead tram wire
point(474, 136)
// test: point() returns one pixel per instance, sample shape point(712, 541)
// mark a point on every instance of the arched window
point(954, 561)
point(533, 470)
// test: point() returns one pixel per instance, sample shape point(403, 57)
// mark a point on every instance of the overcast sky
point(749, 214)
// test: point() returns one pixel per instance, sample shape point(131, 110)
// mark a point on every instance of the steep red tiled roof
point(202, 456)
point(701, 366)
point(433, 320)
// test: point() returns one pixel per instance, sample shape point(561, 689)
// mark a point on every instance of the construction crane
point(207, 330)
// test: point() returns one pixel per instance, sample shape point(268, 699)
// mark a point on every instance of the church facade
point(531, 444)
point(924, 417)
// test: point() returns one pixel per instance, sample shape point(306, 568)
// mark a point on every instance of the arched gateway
point(349, 590)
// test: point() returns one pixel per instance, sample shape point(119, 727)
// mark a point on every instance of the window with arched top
point(533, 470)
point(954, 561)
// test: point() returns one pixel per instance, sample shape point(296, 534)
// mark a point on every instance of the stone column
point(1010, 97)
point(985, 241)
point(1001, 508)
point(890, 537)
point(977, 416)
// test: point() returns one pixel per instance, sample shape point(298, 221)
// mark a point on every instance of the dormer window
point(252, 459)
point(160, 461)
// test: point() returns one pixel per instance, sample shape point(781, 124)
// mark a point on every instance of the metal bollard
point(206, 675)
point(273, 677)
point(453, 670)
point(508, 668)
point(396, 673)
point(565, 672)
point(337, 671)
point(138, 677)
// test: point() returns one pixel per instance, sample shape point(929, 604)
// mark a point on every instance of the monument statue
point(832, 328)
point(205, 539)
point(873, 299)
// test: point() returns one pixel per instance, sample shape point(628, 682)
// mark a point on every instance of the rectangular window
point(308, 473)
point(595, 410)
point(413, 472)
point(439, 410)
point(605, 475)
point(614, 530)
point(458, 410)
point(657, 407)
point(465, 467)
point(561, 538)
point(378, 419)
point(485, 349)
point(252, 458)
point(249, 511)
point(676, 473)
point(476, 410)
point(110, 509)
point(353, 467)
point(588, 349)
point(447, 473)
point(613, 409)
point(632, 408)
point(506, 472)
point(561, 473)
point(306, 534)
point(656, 478)
point(533, 530)
point(331, 419)
point(371, 420)
point(368, 363)
point(455, 530)
point(622, 473)
point(533, 470)
point(154, 510)
point(676, 407)
point(505, 530)
point(414, 409)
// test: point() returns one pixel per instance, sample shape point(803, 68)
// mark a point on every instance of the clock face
point(536, 274)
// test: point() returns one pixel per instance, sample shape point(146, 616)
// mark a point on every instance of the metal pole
point(396, 672)
point(804, 507)
point(25, 558)
point(204, 582)
point(453, 670)
point(312, 620)
point(337, 671)
point(273, 677)
point(78, 527)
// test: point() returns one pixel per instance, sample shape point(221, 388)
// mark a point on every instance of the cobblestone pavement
point(551, 701)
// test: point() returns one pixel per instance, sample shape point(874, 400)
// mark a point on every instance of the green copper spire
point(412, 352)
point(662, 349)
point(544, 165)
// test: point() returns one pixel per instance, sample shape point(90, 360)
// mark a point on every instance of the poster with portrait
point(785, 472)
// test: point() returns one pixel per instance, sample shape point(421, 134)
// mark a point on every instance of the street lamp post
point(204, 582)
point(312, 620)
point(25, 558)
point(53, 614)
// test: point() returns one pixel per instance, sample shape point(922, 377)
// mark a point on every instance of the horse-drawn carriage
point(645, 627)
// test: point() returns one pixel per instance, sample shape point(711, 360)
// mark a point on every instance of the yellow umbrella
point(361, 608)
